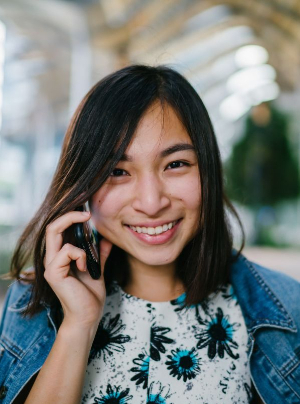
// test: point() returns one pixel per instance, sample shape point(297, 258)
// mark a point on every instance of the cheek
point(189, 192)
point(105, 205)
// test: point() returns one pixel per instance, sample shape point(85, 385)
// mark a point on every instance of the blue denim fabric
point(270, 303)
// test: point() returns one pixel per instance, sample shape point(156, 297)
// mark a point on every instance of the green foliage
point(262, 169)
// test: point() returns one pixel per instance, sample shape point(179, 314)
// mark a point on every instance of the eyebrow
point(166, 152)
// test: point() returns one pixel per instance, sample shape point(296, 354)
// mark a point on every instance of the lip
point(158, 238)
point(153, 224)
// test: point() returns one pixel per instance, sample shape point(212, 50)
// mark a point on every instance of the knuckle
point(50, 227)
point(67, 247)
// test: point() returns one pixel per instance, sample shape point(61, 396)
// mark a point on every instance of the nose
point(150, 195)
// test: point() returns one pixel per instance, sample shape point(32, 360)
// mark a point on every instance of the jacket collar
point(260, 306)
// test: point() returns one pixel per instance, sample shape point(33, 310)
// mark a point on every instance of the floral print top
point(163, 353)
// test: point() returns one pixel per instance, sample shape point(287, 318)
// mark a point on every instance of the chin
point(159, 261)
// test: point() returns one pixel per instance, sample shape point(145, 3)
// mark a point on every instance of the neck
point(153, 283)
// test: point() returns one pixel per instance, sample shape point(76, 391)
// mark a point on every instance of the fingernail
point(86, 213)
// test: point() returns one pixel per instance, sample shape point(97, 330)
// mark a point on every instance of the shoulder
point(283, 285)
point(19, 291)
point(253, 279)
point(242, 268)
point(17, 298)
point(278, 280)
point(21, 285)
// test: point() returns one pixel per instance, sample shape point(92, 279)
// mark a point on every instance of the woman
point(180, 315)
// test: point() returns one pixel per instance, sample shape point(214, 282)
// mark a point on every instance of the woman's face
point(150, 204)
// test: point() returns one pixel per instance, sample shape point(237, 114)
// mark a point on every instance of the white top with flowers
point(163, 353)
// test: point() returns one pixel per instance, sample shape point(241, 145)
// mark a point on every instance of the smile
point(154, 230)
point(155, 235)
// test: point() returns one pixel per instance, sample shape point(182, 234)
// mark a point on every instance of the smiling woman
point(152, 198)
point(179, 315)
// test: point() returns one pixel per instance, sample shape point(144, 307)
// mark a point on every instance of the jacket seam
point(294, 364)
point(283, 378)
point(11, 348)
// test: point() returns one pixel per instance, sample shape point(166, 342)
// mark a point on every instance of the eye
point(178, 164)
point(118, 172)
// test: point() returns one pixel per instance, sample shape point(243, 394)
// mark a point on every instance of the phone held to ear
point(88, 239)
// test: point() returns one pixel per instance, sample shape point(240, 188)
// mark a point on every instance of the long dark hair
point(97, 137)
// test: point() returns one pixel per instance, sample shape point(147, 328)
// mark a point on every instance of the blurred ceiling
point(55, 50)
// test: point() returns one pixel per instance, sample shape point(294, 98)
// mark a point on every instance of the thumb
point(105, 249)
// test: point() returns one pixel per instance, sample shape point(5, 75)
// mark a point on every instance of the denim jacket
point(270, 303)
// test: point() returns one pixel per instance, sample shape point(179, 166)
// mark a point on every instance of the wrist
point(82, 334)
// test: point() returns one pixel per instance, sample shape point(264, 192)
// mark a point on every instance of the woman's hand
point(82, 298)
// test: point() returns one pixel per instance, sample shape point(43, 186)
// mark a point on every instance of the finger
point(54, 232)
point(60, 266)
point(105, 249)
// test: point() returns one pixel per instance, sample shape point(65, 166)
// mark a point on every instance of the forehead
point(158, 129)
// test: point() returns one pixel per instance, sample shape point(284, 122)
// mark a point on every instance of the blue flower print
point(180, 302)
point(108, 337)
point(142, 369)
point(114, 395)
point(158, 397)
point(229, 295)
point(217, 335)
point(183, 364)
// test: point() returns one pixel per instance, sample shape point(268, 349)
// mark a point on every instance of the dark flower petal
point(219, 314)
point(160, 346)
point(230, 353)
point(212, 349)
point(203, 343)
point(124, 393)
point(161, 330)
point(109, 389)
point(220, 350)
point(135, 369)
point(154, 354)
point(114, 321)
point(165, 340)
point(235, 344)
point(120, 339)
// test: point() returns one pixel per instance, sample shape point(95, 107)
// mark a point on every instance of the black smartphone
point(88, 238)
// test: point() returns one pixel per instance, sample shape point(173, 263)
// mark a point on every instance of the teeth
point(158, 229)
point(153, 230)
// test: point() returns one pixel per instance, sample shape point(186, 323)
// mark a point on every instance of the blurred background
point(242, 57)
